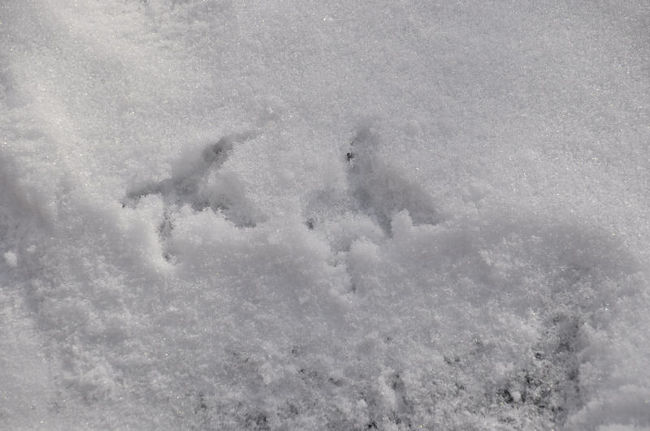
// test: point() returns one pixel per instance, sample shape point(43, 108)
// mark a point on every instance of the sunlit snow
point(324, 215)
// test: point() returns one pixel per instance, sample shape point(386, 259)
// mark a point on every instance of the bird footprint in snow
point(380, 191)
point(200, 184)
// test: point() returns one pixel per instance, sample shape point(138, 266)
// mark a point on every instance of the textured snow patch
point(11, 259)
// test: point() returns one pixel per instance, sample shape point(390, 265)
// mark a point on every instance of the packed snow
point(324, 215)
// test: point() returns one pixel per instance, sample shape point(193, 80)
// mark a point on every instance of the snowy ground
point(324, 215)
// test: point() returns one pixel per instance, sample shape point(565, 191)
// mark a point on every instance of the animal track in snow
point(380, 191)
point(200, 185)
point(374, 193)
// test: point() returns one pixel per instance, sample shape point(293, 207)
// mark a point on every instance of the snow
point(230, 215)
point(11, 259)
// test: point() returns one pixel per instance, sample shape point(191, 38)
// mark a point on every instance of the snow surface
point(324, 215)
